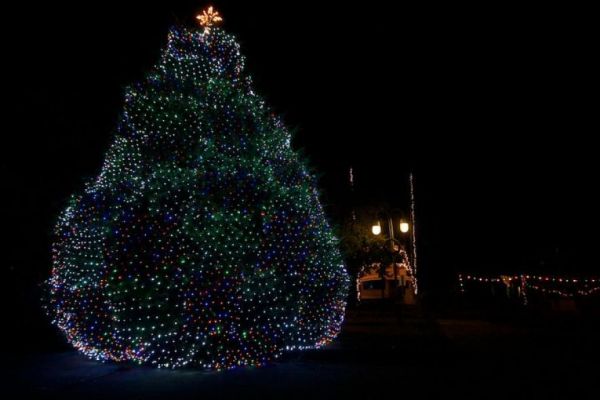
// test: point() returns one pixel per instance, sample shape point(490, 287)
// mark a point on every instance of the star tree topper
point(209, 18)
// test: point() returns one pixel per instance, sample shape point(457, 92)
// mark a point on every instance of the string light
point(202, 241)
point(414, 229)
point(572, 287)
point(523, 281)
point(351, 181)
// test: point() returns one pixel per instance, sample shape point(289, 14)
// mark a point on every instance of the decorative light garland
point(202, 241)
point(414, 229)
point(351, 181)
point(523, 288)
point(461, 284)
point(546, 278)
point(525, 282)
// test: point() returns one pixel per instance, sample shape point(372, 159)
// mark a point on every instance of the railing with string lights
point(567, 287)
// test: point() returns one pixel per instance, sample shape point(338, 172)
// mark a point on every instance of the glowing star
point(209, 18)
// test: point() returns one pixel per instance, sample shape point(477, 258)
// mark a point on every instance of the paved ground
point(380, 354)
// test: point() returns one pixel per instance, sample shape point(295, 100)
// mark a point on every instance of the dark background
point(492, 108)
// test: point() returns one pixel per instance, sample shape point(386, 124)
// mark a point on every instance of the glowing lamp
point(404, 227)
point(376, 229)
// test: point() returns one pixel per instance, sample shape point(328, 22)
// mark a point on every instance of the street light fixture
point(404, 227)
point(376, 229)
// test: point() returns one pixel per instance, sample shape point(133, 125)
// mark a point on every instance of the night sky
point(490, 108)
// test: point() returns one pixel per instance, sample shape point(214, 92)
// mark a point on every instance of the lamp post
point(376, 230)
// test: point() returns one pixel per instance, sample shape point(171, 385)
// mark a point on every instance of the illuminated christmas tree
point(202, 241)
